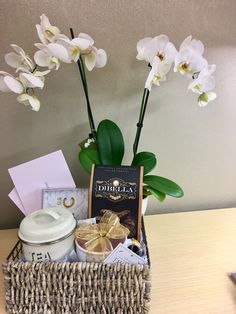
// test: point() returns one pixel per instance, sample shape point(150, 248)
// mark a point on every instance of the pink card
point(50, 171)
point(13, 195)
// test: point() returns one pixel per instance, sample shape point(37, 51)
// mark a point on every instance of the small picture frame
point(73, 199)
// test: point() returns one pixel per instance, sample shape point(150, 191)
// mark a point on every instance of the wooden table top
point(192, 254)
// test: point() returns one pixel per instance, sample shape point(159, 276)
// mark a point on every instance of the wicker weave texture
point(76, 288)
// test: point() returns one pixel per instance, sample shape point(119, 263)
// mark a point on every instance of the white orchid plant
point(105, 145)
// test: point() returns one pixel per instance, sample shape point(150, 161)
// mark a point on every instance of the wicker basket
point(81, 288)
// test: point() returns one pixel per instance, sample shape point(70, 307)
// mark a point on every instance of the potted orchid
point(105, 144)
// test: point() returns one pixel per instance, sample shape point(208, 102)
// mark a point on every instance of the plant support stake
point(141, 119)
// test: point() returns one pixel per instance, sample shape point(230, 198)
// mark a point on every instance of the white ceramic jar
point(87, 256)
point(47, 234)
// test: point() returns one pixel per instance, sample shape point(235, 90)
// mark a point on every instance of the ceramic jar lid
point(46, 225)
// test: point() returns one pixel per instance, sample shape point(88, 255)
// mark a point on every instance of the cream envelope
point(50, 171)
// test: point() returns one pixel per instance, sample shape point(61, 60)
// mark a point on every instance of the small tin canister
point(47, 234)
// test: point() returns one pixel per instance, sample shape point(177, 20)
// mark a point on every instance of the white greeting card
point(50, 171)
point(13, 195)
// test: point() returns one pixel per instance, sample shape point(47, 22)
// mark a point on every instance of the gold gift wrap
point(103, 237)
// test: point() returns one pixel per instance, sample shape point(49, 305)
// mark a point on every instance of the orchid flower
point(76, 46)
point(19, 59)
point(46, 32)
point(157, 73)
point(95, 58)
point(30, 80)
point(20, 85)
point(159, 46)
point(189, 59)
point(83, 45)
point(50, 55)
point(27, 99)
point(203, 85)
point(205, 81)
point(205, 98)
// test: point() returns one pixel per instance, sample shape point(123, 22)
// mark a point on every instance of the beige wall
point(195, 146)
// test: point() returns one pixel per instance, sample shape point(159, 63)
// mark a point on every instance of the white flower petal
point(59, 52)
point(63, 37)
point(160, 42)
point(197, 62)
point(41, 73)
point(29, 100)
point(211, 96)
point(3, 73)
point(208, 83)
point(13, 84)
point(40, 34)
point(205, 98)
point(3, 87)
point(13, 59)
point(51, 33)
point(101, 58)
point(41, 46)
point(18, 50)
point(195, 86)
point(45, 21)
point(82, 43)
point(197, 46)
point(86, 36)
point(21, 69)
point(29, 63)
point(141, 44)
point(40, 57)
point(185, 42)
point(170, 53)
point(211, 68)
point(90, 60)
point(35, 103)
point(150, 50)
point(30, 80)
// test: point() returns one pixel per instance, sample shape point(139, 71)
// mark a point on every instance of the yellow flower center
point(161, 56)
point(49, 34)
point(203, 97)
point(184, 68)
point(197, 87)
point(54, 60)
point(156, 79)
point(75, 51)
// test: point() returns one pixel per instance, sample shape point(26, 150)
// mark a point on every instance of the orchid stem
point(85, 87)
point(141, 119)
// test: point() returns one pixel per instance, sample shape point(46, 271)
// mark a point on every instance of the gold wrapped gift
point(103, 237)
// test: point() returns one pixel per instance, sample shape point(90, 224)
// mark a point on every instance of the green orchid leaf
point(88, 157)
point(147, 190)
point(163, 185)
point(146, 159)
point(110, 143)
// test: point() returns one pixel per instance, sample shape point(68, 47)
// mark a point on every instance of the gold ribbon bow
point(104, 236)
